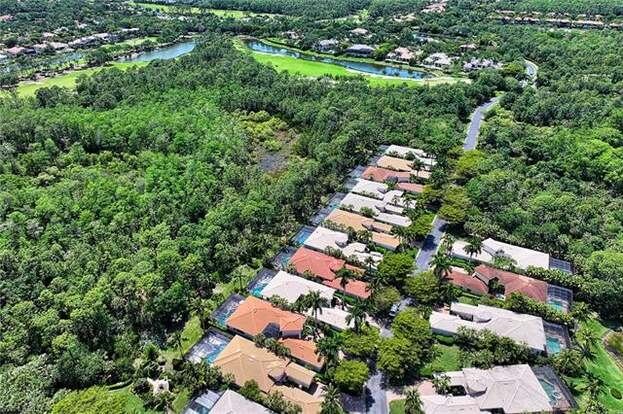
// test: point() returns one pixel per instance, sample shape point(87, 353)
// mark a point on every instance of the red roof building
point(513, 282)
point(467, 282)
point(319, 264)
point(381, 175)
point(356, 288)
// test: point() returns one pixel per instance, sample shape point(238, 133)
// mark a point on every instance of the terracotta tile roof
point(319, 264)
point(310, 404)
point(242, 359)
point(304, 350)
point(383, 174)
point(353, 287)
point(410, 187)
point(466, 281)
point(513, 282)
point(253, 316)
point(396, 164)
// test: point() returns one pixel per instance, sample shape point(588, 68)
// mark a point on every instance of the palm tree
point(401, 233)
point(592, 385)
point(357, 314)
point(376, 282)
point(332, 401)
point(328, 348)
point(345, 276)
point(447, 242)
point(316, 302)
point(413, 402)
point(418, 165)
point(370, 263)
point(473, 247)
point(177, 338)
point(441, 265)
point(587, 341)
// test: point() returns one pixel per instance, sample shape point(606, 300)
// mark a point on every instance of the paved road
point(430, 245)
point(473, 130)
point(375, 389)
point(376, 395)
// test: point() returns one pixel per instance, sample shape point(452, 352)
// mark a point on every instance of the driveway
point(376, 398)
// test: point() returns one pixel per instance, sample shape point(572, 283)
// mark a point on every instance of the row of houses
point(312, 263)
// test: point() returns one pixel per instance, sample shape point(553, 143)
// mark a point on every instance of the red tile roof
point(319, 264)
point(353, 287)
point(382, 174)
point(513, 282)
point(465, 281)
point(410, 187)
point(303, 350)
point(253, 315)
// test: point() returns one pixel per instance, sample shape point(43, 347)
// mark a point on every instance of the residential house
point(323, 240)
point(256, 316)
point(511, 389)
point(327, 45)
point(379, 191)
point(383, 175)
point(247, 362)
point(231, 403)
point(520, 257)
point(382, 211)
point(291, 287)
point(360, 50)
point(324, 267)
point(393, 163)
point(360, 31)
point(438, 60)
point(408, 153)
point(468, 47)
point(522, 328)
point(478, 64)
point(401, 54)
point(380, 231)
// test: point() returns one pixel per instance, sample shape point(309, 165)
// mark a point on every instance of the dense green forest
point(593, 7)
point(126, 200)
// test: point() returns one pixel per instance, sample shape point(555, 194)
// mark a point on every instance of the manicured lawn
point(169, 8)
point(604, 367)
point(67, 80)
point(447, 360)
point(191, 334)
point(397, 407)
point(135, 42)
point(181, 401)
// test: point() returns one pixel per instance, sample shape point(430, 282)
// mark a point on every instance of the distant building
point(360, 50)
point(327, 45)
point(468, 46)
point(401, 54)
point(477, 64)
point(360, 31)
point(438, 60)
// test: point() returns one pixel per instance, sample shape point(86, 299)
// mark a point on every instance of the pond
point(163, 53)
point(357, 66)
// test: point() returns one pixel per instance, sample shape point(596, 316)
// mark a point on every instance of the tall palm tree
point(316, 302)
point(441, 265)
point(345, 276)
point(473, 247)
point(329, 348)
point(357, 314)
point(413, 402)
point(332, 401)
point(587, 341)
point(418, 165)
point(447, 242)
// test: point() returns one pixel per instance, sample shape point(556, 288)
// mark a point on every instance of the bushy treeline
point(123, 202)
point(575, 7)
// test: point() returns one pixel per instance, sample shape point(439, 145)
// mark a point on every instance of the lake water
point(163, 53)
point(363, 67)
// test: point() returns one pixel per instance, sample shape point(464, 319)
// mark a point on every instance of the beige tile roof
point(396, 164)
point(310, 404)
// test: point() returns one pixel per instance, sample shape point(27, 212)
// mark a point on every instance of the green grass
point(181, 401)
point(171, 8)
point(135, 42)
point(397, 407)
point(318, 69)
point(605, 368)
point(133, 404)
point(446, 360)
point(67, 80)
point(191, 334)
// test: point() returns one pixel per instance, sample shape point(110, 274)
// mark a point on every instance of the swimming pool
point(223, 312)
point(553, 345)
point(550, 390)
point(557, 304)
point(300, 237)
point(209, 348)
